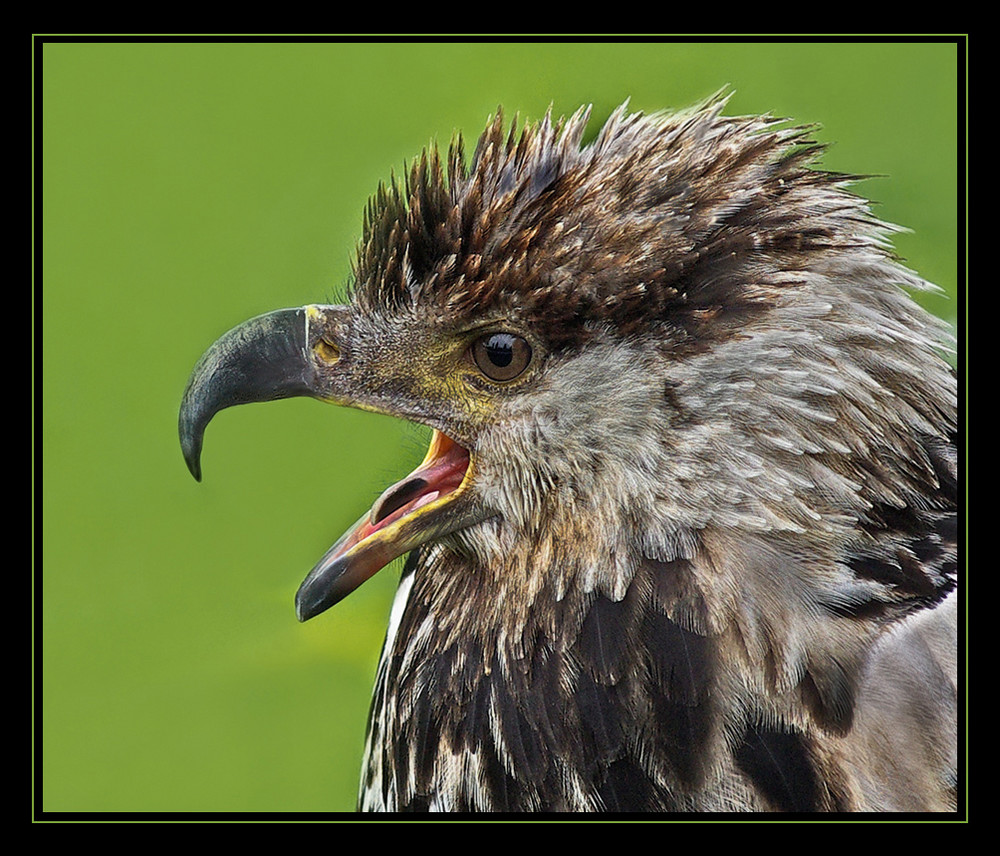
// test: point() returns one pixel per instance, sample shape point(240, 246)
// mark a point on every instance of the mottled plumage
point(699, 552)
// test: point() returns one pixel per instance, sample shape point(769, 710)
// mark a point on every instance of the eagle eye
point(501, 356)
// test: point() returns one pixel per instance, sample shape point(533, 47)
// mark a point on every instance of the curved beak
point(306, 352)
point(263, 359)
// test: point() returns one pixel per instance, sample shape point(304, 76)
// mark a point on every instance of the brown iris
point(501, 356)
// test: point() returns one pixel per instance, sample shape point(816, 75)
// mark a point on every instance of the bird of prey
point(685, 535)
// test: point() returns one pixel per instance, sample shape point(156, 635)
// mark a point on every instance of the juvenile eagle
point(685, 536)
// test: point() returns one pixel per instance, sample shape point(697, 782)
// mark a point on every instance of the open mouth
point(426, 505)
point(441, 473)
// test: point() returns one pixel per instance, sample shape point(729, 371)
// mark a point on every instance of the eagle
point(685, 536)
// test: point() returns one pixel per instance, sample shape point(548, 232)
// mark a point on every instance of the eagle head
point(692, 453)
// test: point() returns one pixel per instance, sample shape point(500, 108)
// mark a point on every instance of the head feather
point(681, 223)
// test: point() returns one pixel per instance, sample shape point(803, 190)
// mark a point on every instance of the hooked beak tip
point(191, 439)
point(193, 461)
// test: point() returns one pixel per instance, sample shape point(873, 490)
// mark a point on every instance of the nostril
point(327, 351)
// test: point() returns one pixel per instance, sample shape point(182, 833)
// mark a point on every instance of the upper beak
point(263, 359)
point(306, 351)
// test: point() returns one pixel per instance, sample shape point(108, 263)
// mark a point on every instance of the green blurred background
point(189, 186)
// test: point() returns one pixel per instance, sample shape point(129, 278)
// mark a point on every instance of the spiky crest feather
point(660, 221)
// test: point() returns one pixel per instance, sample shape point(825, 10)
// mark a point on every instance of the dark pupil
point(500, 349)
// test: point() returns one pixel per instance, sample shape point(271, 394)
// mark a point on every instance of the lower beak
point(431, 502)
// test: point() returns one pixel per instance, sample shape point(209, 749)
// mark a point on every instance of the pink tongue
point(396, 498)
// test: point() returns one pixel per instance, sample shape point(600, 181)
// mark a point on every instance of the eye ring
point(501, 356)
